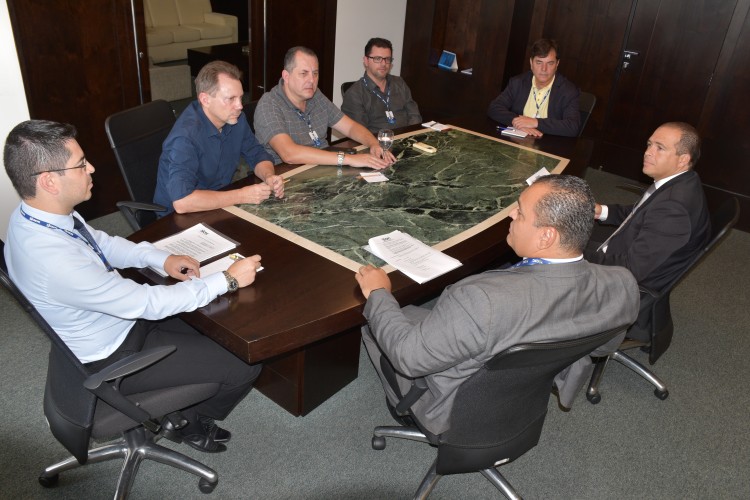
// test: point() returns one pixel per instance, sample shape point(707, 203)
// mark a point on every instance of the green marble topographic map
point(432, 197)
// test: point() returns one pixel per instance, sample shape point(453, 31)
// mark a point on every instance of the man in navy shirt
point(202, 151)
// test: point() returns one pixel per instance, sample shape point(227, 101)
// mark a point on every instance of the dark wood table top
point(301, 297)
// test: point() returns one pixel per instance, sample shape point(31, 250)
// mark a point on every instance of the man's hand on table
point(276, 183)
point(256, 193)
point(368, 160)
point(527, 124)
point(181, 267)
point(372, 278)
point(244, 270)
point(378, 152)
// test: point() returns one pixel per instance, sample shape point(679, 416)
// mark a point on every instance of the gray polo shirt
point(276, 114)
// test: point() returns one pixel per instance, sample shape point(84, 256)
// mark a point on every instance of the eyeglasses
point(83, 164)
point(379, 59)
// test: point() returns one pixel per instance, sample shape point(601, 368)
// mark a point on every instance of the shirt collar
point(663, 181)
point(61, 221)
point(546, 87)
point(564, 261)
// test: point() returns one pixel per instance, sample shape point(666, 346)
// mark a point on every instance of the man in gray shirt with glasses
point(380, 100)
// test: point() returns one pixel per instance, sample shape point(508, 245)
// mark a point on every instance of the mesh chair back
point(136, 136)
point(69, 407)
point(499, 411)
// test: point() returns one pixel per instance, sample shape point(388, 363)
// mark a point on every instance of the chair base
point(432, 477)
point(137, 445)
point(593, 394)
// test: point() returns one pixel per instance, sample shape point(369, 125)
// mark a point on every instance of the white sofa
point(174, 26)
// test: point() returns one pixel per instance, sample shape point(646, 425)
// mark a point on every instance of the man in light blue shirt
point(68, 271)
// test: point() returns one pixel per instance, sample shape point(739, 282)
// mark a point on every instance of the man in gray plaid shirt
point(292, 120)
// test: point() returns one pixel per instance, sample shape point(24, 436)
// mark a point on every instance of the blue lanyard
point(539, 105)
point(530, 262)
point(313, 134)
point(387, 101)
point(92, 244)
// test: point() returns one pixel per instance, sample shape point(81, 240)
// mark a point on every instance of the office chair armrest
point(129, 209)
point(418, 387)
point(133, 363)
point(137, 205)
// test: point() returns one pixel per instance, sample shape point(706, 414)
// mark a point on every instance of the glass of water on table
point(385, 139)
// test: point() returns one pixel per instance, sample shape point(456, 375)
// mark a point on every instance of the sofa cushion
point(163, 12)
point(158, 36)
point(184, 34)
point(210, 31)
point(191, 12)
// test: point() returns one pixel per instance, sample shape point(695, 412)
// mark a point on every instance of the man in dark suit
point(659, 236)
point(540, 101)
point(552, 294)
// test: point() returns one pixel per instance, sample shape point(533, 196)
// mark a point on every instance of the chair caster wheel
point(661, 395)
point(594, 399)
point(378, 443)
point(205, 486)
point(49, 481)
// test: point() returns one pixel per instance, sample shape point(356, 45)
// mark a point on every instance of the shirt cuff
point(604, 213)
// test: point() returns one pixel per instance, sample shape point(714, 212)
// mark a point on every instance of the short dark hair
point(35, 146)
point(289, 58)
point(378, 42)
point(569, 208)
point(208, 77)
point(689, 143)
point(542, 47)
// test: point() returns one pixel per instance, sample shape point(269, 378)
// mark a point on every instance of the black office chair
point(498, 412)
point(80, 405)
point(659, 316)
point(249, 110)
point(586, 103)
point(136, 136)
point(345, 86)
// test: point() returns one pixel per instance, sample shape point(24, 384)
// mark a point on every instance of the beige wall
point(356, 22)
point(13, 104)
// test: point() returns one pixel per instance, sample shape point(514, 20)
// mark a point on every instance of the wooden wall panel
point(79, 65)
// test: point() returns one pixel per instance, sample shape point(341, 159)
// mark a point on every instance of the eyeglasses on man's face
point(82, 164)
point(380, 59)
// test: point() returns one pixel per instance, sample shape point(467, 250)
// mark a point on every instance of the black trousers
point(197, 359)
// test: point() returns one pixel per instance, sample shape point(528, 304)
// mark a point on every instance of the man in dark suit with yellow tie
point(659, 235)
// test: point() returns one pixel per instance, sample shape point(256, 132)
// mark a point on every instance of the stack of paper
point(200, 242)
point(436, 126)
point(412, 257)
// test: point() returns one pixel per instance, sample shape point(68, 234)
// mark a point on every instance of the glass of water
point(385, 139)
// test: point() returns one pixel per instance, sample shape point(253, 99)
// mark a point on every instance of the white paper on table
point(373, 177)
point(200, 242)
point(542, 171)
point(436, 126)
point(513, 132)
point(418, 261)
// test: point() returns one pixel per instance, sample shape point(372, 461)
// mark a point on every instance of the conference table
point(302, 316)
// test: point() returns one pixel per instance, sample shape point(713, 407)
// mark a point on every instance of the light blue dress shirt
point(90, 308)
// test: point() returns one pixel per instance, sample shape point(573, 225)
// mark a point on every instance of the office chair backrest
point(249, 110)
point(662, 327)
point(68, 407)
point(136, 136)
point(586, 103)
point(345, 86)
point(499, 411)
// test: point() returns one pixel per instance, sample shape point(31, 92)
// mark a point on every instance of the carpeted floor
point(632, 445)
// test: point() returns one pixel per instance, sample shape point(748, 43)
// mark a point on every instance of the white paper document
point(412, 257)
point(200, 242)
point(374, 177)
point(513, 132)
point(436, 126)
point(542, 171)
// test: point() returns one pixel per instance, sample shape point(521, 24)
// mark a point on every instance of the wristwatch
point(232, 285)
point(340, 161)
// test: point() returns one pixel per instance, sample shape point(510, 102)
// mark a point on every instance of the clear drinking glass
point(385, 138)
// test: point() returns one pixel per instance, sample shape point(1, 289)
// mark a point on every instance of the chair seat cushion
point(158, 36)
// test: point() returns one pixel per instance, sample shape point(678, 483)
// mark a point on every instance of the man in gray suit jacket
point(552, 294)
